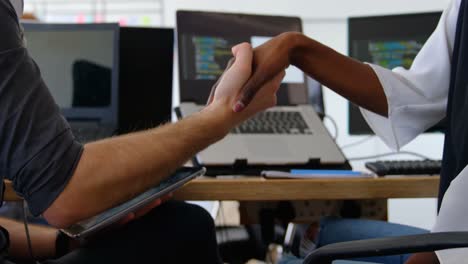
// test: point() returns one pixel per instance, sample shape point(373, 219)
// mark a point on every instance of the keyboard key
point(405, 167)
point(274, 122)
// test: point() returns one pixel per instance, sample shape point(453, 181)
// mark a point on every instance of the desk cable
point(357, 142)
point(335, 125)
point(390, 154)
point(26, 229)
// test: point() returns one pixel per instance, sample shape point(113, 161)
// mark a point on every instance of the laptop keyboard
point(274, 122)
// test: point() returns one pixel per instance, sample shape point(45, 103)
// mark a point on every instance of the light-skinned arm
point(114, 170)
point(352, 79)
point(42, 238)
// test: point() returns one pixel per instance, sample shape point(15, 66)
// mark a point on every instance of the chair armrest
point(10, 194)
point(388, 246)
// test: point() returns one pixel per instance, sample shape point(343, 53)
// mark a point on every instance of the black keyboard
point(405, 167)
point(274, 122)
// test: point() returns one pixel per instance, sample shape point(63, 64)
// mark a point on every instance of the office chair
point(387, 246)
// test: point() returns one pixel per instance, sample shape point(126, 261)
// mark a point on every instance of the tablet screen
point(179, 178)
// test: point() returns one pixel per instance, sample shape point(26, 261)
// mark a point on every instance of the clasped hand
point(267, 65)
point(241, 88)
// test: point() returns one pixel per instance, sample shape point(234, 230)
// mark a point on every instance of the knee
point(184, 217)
point(196, 219)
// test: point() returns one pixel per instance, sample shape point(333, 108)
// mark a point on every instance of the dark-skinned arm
point(352, 79)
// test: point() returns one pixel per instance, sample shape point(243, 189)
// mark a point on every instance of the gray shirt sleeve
point(38, 152)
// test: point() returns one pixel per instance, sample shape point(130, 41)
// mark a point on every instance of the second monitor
point(387, 41)
point(146, 62)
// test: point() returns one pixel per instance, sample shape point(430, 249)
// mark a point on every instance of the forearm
point(423, 258)
point(42, 240)
point(115, 170)
point(350, 78)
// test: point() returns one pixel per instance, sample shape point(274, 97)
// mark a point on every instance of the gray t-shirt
point(38, 152)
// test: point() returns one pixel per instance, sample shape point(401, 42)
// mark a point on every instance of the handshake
point(252, 77)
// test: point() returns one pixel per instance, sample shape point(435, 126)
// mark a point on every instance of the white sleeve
point(417, 98)
point(19, 6)
point(453, 216)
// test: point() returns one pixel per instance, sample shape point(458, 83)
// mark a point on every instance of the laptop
point(79, 64)
point(289, 135)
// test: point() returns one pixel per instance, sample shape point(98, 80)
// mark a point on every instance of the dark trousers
point(175, 232)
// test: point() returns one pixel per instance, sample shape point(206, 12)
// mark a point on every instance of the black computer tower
point(145, 79)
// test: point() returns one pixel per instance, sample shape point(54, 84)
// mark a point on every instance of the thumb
point(243, 56)
point(237, 75)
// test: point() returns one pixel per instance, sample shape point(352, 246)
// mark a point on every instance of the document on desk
point(316, 174)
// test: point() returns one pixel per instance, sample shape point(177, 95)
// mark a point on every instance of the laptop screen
point(204, 43)
point(79, 65)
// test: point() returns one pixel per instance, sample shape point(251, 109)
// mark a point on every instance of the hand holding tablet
point(136, 206)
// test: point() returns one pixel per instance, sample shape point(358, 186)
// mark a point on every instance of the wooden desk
point(260, 189)
point(255, 189)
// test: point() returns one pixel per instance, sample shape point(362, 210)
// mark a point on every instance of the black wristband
point(62, 245)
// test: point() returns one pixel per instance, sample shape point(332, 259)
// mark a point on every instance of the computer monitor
point(204, 43)
point(79, 63)
point(146, 65)
point(388, 41)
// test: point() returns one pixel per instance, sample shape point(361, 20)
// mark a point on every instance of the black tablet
point(104, 219)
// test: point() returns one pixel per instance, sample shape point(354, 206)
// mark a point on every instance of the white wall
point(307, 9)
point(134, 12)
point(326, 21)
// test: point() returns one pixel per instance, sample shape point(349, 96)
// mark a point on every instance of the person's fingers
point(243, 52)
point(235, 78)
point(167, 197)
point(127, 219)
point(252, 87)
point(259, 78)
point(213, 89)
point(148, 208)
point(239, 65)
point(270, 87)
point(235, 49)
point(248, 92)
point(135, 215)
point(279, 79)
point(242, 64)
